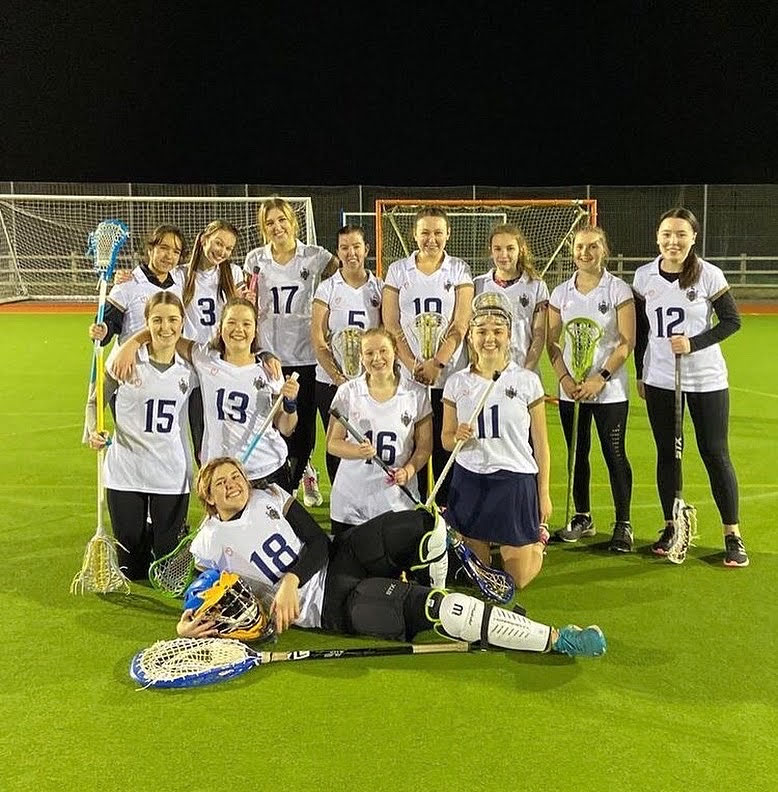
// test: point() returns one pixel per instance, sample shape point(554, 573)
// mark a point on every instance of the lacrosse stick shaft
point(460, 443)
point(571, 462)
point(268, 420)
point(360, 438)
point(678, 439)
point(369, 651)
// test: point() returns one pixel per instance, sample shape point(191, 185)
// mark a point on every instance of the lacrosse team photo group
point(462, 427)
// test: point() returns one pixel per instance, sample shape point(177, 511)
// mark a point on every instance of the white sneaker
point(311, 494)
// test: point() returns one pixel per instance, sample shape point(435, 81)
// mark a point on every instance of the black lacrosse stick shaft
point(678, 440)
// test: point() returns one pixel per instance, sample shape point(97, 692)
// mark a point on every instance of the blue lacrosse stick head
point(104, 244)
point(192, 596)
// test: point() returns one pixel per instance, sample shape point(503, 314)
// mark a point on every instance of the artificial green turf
point(685, 699)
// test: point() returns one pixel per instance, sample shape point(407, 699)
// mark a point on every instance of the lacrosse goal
point(43, 237)
point(549, 226)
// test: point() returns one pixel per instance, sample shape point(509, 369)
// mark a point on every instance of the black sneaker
point(621, 541)
point(665, 541)
point(580, 525)
point(736, 551)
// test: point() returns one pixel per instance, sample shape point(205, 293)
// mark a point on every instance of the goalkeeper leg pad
point(433, 552)
point(468, 619)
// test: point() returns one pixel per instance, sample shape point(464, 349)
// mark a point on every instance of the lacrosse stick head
point(234, 609)
point(685, 531)
point(583, 335)
point(104, 244)
point(347, 346)
point(189, 662)
point(100, 572)
point(428, 329)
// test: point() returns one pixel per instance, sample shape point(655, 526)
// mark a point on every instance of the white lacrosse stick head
point(428, 331)
point(104, 244)
point(347, 348)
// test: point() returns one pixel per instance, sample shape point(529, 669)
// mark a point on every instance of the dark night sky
point(627, 93)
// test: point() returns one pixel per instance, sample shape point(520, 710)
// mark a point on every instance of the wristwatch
point(605, 374)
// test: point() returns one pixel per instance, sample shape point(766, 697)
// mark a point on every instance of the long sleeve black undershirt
point(316, 544)
point(726, 311)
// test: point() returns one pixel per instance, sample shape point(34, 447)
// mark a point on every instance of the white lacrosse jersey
point(525, 295)
point(285, 299)
point(672, 310)
point(600, 305)
point(202, 315)
point(435, 293)
point(150, 451)
point(260, 546)
point(348, 307)
point(502, 430)
point(131, 296)
point(236, 401)
point(360, 491)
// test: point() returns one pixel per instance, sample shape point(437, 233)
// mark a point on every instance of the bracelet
point(290, 405)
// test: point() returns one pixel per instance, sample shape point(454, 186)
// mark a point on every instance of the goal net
point(43, 238)
point(548, 225)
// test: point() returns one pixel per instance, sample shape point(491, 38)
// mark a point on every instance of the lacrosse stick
point(347, 346)
point(492, 583)
point(172, 573)
point(262, 429)
point(428, 329)
point(684, 514)
point(583, 335)
point(189, 662)
point(100, 571)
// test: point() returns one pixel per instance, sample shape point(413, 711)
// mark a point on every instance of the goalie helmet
point(193, 595)
point(494, 305)
point(235, 610)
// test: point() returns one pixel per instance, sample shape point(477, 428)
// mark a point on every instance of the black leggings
point(143, 542)
point(301, 443)
point(363, 593)
point(439, 454)
point(324, 395)
point(196, 422)
point(710, 415)
point(611, 422)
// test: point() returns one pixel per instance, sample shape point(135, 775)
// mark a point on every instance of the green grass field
point(685, 699)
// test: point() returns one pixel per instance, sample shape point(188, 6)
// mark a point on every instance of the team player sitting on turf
point(500, 484)
point(678, 293)
point(392, 411)
point(592, 293)
point(238, 392)
point(352, 585)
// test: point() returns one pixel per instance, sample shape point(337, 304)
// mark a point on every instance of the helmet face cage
point(492, 305)
point(235, 610)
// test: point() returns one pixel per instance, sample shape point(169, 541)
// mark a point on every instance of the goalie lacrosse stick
point(492, 583)
point(268, 420)
point(583, 334)
point(347, 346)
point(100, 571)
point(428, 329)
point(684, 514)
point(190, 662)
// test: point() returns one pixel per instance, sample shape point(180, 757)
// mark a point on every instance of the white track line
point(754, 392)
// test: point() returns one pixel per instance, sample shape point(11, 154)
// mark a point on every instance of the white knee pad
point(433, 552)
point(463, 617)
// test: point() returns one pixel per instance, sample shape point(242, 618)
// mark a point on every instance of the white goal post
point(43, 238)
point(549, 226)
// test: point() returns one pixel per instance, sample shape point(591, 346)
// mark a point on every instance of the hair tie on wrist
point(290, 405)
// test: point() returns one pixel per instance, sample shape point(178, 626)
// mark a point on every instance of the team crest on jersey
point(272, 512)
point(691, 294)
point(603, 307)
point(406, 418)
point(183, 384)
point(304, 274)
point(511, 392)
point(375, 301)
point(524, 300)
point(447, 285)
point(259, 383)
point(337, 301)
